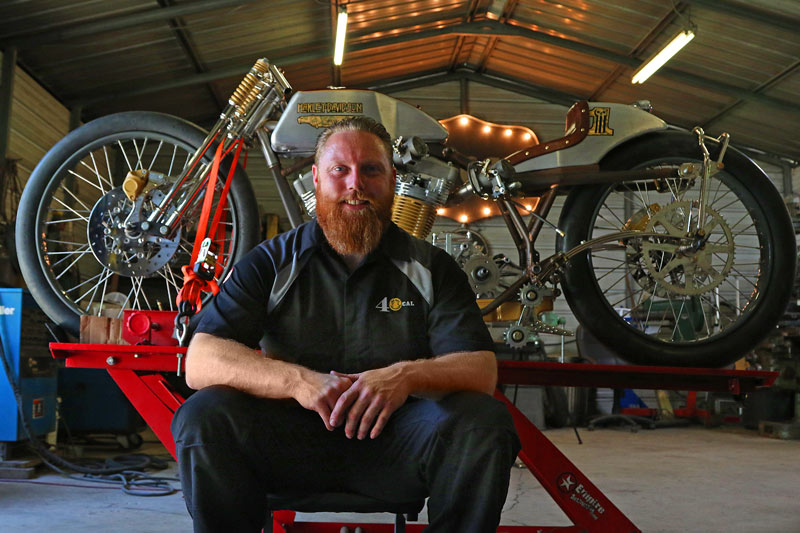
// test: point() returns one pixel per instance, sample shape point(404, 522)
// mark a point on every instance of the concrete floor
point(664, 480)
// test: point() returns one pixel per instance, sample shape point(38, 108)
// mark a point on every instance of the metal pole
point(75, 117)
point(788, 187)
point(6, 95)
point(284, 190)
point(464, 96)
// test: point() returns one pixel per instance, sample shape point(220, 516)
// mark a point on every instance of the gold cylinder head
point(414, 216)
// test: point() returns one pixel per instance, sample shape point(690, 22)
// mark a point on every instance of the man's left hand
point(370, 401)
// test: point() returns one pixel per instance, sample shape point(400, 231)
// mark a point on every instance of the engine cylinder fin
point(414, 216)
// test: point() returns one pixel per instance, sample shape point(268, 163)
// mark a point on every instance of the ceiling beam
point(501, 81)
point(494, 28)
point(394, 85)
point(194, 79)
point(730, 107)
point(405, 83)
point(185, 41)
point(487, 27)
point(786, 22)
point(30, 39)
point(672, 12)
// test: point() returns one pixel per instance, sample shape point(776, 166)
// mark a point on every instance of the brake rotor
point(118, 241)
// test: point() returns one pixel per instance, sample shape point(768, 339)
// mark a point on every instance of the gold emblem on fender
point(599, 119)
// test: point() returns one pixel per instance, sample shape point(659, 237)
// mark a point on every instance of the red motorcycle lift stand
point(136, 370)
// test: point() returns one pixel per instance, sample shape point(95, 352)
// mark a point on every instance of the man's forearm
point(460, 371)
point(212, 360)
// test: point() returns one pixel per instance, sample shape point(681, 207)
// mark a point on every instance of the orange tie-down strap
point(194, 285)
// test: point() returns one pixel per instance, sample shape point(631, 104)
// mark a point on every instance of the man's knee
point(479, 422)
point(207, 414)
point(474, 410)
point(474, 431)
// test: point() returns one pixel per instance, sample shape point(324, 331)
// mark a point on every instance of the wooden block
point(20, 463)
point(17, 473)
point(101, 330)
point(19, 468)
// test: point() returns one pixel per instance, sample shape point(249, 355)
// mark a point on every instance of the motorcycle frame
point(545, 184)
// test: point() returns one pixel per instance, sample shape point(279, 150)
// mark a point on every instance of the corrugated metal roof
point(741, 73)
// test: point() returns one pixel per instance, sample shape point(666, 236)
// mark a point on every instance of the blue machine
point(25, 346)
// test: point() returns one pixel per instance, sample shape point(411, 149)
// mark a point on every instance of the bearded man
point(360, 325)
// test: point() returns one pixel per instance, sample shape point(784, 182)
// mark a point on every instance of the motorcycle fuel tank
point(309, 112)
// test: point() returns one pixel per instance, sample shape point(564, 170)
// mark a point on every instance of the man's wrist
point(411, 376)
point(298, 381)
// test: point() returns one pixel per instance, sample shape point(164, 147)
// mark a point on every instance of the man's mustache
point(370, 204)
point(358, 198)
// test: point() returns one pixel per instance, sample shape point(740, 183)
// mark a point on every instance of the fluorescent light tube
point(341, 29)
point(666, 53)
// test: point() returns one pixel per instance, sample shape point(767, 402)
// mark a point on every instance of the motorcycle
point(672, 246)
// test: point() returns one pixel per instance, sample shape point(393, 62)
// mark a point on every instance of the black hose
point(123, 467)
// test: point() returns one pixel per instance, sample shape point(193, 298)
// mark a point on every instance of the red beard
point(353, 232)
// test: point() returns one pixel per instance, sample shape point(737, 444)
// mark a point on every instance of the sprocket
point(676, 267)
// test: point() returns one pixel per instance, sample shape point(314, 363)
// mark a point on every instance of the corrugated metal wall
point(38, 121)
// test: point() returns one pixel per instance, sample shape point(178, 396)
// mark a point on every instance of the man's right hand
point(320, 392)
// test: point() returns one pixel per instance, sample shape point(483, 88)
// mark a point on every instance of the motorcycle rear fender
point(309, 112)
point(610, 125)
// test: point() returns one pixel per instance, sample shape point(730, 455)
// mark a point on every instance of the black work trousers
point(234, 448)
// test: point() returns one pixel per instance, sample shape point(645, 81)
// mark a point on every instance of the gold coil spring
point(246, 93)
point(414, 216)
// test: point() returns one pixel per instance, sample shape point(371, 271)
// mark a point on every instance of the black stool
point(343, 502)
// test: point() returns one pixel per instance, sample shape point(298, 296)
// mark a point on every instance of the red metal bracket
point(632, 377)
point(150, 394)
point(582, 502)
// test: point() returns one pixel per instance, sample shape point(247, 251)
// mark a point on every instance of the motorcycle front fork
point(187, 189)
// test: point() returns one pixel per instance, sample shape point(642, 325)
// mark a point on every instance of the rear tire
point(656, 305)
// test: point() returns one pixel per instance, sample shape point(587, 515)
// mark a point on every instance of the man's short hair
point(355, 124)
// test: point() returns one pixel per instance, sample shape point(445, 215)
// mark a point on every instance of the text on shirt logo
point(392, 304)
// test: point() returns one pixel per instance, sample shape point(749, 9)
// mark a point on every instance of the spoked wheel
point(705, 292)
point(86, 249)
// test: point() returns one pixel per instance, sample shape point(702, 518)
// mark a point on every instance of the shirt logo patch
point(387, 305)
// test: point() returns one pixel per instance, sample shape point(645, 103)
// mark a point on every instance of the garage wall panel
point(38, 121)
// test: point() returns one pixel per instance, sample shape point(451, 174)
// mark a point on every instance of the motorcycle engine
point(423, 185)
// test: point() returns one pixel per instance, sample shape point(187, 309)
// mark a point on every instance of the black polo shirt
point(295, 297)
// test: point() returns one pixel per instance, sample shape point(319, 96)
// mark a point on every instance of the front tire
point(654, 303)
point(58, 253)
